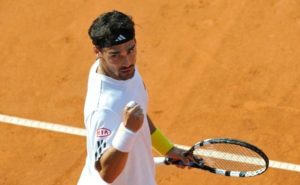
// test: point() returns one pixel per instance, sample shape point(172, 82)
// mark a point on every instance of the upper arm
point(103, 125)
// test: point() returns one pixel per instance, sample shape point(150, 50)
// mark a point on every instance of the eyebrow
point(118, 52)
point(113, 52)
point(130, 48)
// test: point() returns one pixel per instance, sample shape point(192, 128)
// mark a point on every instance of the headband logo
point(120, 38)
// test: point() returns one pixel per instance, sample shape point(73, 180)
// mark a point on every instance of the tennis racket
point(224, 156)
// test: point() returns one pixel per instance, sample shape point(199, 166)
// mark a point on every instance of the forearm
point(151, 125)
point(159, 141)
point(111, 164)
point(113, 161)
point(162, 144)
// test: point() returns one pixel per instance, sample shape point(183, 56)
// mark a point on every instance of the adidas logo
point(120, 38)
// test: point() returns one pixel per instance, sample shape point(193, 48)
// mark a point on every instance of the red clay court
point(213, 68)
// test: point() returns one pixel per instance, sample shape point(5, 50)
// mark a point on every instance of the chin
point(127, 77)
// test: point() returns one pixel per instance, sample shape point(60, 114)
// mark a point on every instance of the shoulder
point(103, 113)
point(102, 117)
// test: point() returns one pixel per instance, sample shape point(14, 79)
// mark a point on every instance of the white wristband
point(124, 139)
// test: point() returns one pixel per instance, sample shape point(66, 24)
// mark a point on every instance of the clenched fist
point(133, 116)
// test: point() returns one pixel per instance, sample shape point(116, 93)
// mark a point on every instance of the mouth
point(127, 70)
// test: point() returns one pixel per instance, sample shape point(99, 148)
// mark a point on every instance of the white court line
point(42, 125)
point(82, 132)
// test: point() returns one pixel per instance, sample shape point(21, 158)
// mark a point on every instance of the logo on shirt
point(103, 132)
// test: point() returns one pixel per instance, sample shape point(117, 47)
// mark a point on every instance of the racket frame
point(200, 164)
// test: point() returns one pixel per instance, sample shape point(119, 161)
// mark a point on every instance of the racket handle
point(167, 161)
point(174, 161)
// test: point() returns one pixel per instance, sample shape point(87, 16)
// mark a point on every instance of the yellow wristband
point(160, 142)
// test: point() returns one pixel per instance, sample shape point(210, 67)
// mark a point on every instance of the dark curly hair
point(111, 28)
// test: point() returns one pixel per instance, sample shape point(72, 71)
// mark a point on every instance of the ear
point(97, 51)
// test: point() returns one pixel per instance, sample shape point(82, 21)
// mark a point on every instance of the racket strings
point(230, 157)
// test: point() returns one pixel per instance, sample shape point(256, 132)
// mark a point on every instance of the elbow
point(111, 165)
point(105, 175)
point(107, 178)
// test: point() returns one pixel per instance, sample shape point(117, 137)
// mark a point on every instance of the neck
point(102, 70)
point(99, 70)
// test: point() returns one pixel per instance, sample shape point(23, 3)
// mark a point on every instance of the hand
point(133, 116)
point(179, 154)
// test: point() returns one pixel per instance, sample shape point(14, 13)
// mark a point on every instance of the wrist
point(124, 139)
point(160, 142)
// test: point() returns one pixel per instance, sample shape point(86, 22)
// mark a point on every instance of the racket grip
point(169, 161)
point(174, 161)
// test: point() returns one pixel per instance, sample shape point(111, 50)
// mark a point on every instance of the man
point(120, 133)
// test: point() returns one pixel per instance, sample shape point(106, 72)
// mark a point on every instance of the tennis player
point(120, 134)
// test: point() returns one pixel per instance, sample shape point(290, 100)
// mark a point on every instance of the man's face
point(118, 61)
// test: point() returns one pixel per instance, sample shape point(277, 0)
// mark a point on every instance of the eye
point(131, 50)
point(114, 56)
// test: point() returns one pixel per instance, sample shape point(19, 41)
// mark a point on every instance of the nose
point(125, 60)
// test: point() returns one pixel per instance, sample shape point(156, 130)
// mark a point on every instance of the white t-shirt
point(105, 102)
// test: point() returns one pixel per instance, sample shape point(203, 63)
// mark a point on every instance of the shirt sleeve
point(104, 124)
